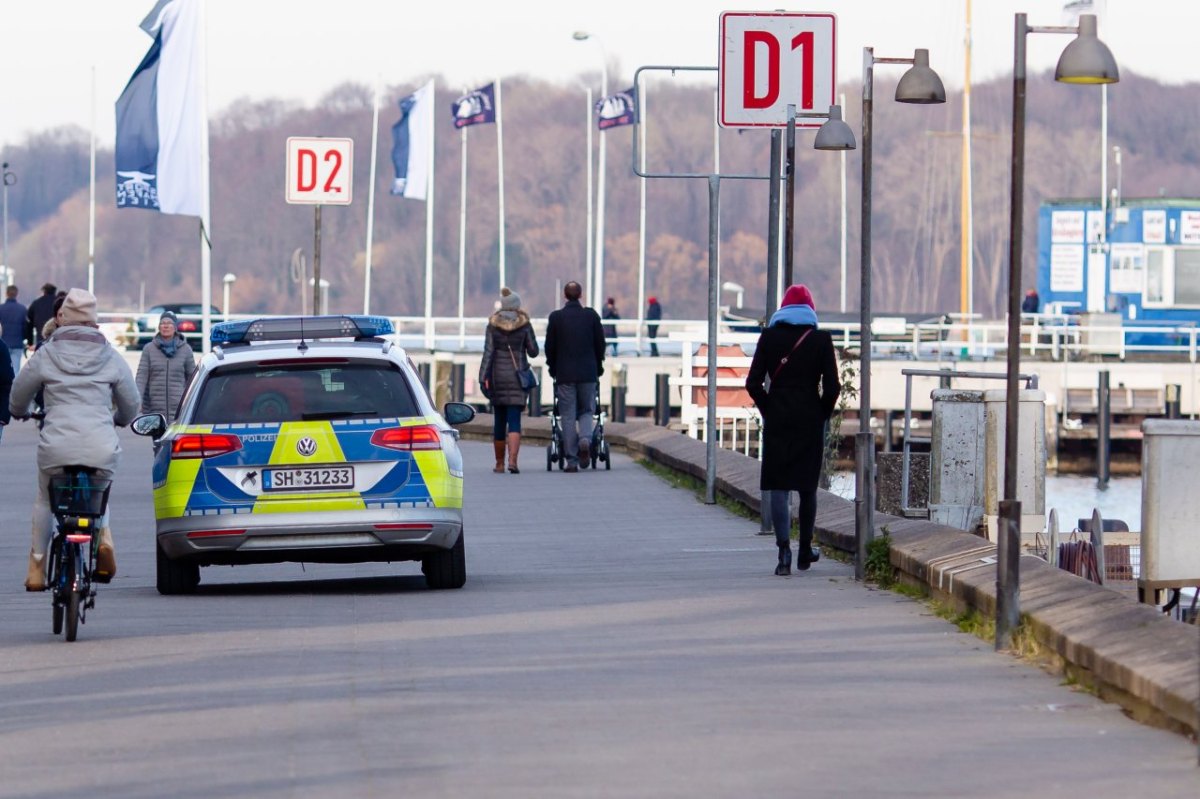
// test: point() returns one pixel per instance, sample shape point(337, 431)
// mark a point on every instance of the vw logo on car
point(306, 446)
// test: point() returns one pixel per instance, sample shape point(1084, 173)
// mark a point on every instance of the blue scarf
point(794, 315)
point(167, 347)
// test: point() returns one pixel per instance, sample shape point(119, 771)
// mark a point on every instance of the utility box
point(1031, 460)
point(957, 458)
point(1170, 534)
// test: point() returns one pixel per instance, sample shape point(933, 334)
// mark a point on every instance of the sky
point(300, 49)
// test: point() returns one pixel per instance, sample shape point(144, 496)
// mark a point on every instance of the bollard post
point(1171, 411)
point(423, 372)
point(1103, 431)
point(1098, 545)
point(616, 406)
point(864, 499)
point(535, 396)
point(662, 400)
point(458, 379)
point(765, 526)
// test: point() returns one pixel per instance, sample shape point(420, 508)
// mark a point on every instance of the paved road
point(615, 638)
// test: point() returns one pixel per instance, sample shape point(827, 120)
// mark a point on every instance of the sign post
point(320, 171)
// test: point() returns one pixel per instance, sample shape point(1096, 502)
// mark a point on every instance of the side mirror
point(458, 412)
point(151, 424)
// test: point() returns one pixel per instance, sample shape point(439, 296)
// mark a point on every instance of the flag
point(617, 109)
point(412, 136)
point(475, 108)
point(162, 121)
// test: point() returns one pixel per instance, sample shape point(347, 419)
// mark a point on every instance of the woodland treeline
point(916, 225)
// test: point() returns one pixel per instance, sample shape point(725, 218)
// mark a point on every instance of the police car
point(307, 439)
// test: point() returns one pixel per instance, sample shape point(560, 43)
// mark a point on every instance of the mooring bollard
point(458, 379)
point(1103, 431)
point(423, 372)
point(662, 400)
point(535, 396)
point(1171, 411)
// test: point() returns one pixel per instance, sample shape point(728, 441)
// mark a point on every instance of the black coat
point(507, 331)
point(801, 400)
point(574, 344)
point(39, 313)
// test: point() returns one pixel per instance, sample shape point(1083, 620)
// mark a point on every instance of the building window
point(1187, 277)
point(1156, 276)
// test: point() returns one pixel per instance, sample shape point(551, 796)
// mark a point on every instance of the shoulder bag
point(525, 377)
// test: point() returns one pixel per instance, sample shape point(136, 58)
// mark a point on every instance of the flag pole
point(429, 340)
point(91, 275)
point(500, 181)
point(371, 198)
point(205, 197)
point(462, 238)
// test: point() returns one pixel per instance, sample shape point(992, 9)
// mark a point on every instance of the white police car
point(307, 439)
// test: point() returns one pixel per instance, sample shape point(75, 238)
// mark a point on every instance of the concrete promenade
point(616, 637)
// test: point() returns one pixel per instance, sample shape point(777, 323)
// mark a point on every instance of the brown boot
point(106, 557)
point(514, 447)
point(499, 447)
point(35, 579)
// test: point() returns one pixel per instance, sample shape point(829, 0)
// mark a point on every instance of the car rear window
point(304, 392)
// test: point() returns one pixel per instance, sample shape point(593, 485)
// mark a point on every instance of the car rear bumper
point(363, 536)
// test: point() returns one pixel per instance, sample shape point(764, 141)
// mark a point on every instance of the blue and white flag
point(412, 142)
point(162, 119)
point(617, 109)
point(475, 108)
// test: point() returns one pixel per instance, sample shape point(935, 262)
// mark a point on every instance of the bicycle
point(78, 499)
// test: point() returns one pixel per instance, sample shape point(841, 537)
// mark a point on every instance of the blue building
point(1142, 262)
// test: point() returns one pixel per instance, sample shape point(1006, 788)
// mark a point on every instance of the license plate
point(308, 478)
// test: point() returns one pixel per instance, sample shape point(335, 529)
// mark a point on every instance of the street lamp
point(597, 291)
point(588, 259)
point(1085, 60)
point(9, 179)
point(919, 85)
point(736, 288)
point(229, 279)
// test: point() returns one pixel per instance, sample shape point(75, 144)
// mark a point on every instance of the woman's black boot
point(785, 561)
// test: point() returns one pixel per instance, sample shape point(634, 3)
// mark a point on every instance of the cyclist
point(88, 390)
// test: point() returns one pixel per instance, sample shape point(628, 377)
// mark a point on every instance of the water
point(1073, 496)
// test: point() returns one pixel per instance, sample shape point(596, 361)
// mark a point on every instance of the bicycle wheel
point(73, 597)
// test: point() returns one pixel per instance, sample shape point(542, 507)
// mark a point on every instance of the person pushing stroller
point(575, 359)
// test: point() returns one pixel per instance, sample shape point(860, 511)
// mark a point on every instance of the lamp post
point(9, 179)
point(228, 281)
point(588, 258)
point(919, 85)
point(1085, 60)
point(596, 291)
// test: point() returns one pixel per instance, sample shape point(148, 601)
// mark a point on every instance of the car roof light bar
point(300, 328)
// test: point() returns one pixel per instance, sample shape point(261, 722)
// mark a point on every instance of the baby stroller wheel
point(606, 456)
point(549, 459)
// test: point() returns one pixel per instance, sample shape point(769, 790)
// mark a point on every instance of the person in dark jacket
point(653, 314)
point(610, 331)
point(1031, 303)
point(165, 369)
point(508, 344)
point(575, 359)
point(40, 312)
point(799, 361)
point(13, 326)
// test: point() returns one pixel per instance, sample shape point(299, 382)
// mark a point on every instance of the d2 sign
point(320, 171)
point(770, 60)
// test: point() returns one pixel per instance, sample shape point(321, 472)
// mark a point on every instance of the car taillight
point(187, 326)
point(204, 445)
point(408, 439)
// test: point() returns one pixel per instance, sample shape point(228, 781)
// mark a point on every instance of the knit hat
point(79, 308)
point(509, 299)
point(169, 316)
point(798, 294)
point(652, 300)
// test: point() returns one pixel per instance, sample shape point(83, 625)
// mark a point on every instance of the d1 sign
point(320, 171)
point(770, 60)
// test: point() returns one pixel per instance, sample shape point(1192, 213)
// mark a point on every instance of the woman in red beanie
point(794, 383)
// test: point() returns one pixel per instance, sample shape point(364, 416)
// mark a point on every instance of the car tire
point(448, 568)
point(175, 576)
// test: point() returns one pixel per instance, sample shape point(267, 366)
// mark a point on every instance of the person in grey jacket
point(88, 391)
point(165, 370)
point(508, 343)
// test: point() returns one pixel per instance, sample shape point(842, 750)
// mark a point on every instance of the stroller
point(598, 450)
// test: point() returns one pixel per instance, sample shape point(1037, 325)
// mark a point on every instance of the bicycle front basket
point(78, 495)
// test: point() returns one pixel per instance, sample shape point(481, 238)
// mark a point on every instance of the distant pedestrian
point(800, 364)
point(575, 358)
point(13, 326)
point(1031, 303)
point(654, 312)
point(508, 344)
point(165, 369)
point(610, 331)
point(6, 381)
point(39, 313)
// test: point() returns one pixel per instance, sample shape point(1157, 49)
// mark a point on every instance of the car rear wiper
point(309, 417)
